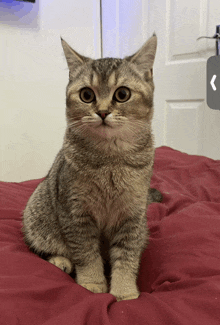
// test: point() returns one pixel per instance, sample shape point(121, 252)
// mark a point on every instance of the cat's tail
point(154, 196)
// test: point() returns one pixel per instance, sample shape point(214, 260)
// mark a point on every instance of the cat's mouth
point(105, 123)
point(107, 127)
point(103, 128)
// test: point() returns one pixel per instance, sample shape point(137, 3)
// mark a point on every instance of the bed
point(179, 276)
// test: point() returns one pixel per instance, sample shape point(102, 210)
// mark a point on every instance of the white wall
point(33, 78)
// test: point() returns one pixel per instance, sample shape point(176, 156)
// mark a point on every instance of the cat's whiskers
point(74, 123)
point(126, 132)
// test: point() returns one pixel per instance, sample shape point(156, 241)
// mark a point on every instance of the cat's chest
point(111, 193)
point(107, 186)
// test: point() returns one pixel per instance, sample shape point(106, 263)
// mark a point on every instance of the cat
point(91, 207)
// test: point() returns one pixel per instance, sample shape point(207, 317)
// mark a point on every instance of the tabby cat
point(90, 209)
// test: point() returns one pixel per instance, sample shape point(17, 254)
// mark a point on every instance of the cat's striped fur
point(91, 207)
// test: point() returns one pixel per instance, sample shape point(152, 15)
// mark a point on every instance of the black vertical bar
point(217, 40)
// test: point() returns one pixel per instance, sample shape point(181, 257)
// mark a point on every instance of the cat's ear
point(144, 58)
point(74, 59)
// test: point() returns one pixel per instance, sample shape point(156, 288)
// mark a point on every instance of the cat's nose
point(103, 114)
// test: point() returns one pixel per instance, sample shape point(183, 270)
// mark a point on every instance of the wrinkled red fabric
point(179, 276)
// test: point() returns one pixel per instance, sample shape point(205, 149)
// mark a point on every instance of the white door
point(182, 119)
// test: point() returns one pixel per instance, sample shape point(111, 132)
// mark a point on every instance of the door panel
point(185, 20)
point(190, 114)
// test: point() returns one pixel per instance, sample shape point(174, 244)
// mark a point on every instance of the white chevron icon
point(212, 82)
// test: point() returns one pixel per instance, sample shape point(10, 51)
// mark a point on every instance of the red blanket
point(179, 277)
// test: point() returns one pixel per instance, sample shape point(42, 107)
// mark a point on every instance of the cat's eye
point(87, 95)
point(122, 94)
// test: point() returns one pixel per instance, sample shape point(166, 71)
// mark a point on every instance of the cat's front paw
point(62, 263)
point(129, 296)
point(95, 287)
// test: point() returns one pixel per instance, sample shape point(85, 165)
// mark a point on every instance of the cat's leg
point(51, 252)
point(62, 263)
point(50, 247)
point(125, 253)
point(91, 275)
point(82, 237)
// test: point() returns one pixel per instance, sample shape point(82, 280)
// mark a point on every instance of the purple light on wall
point(27, 0)
point(19, 13)
point(122, 26)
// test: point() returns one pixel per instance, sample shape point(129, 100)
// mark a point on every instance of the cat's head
point(110, 98)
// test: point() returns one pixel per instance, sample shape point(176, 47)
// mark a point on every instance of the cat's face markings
point(108, 91)
point(105, 99)
point(94, 80)
point(115, 95)
point(112, 80)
